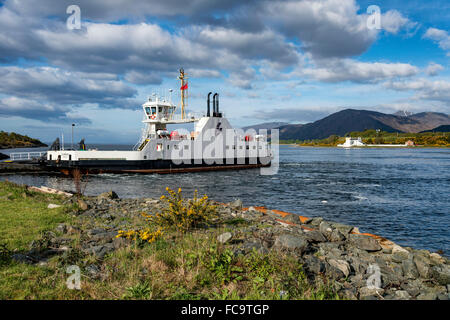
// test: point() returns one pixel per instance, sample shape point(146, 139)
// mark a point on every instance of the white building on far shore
point(357, 142)
point(352, 142)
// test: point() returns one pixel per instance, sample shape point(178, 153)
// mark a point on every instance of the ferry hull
point(149, 166)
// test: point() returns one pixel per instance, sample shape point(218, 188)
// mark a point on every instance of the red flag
point(184, 87)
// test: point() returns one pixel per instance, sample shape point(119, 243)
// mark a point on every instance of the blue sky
point(278, 60)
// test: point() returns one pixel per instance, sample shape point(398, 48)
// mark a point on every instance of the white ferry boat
point(213, 145)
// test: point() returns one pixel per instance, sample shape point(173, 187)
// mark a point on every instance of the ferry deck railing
point(23, 156)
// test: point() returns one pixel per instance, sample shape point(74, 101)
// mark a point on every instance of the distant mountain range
point(444, 128)
point(345, 121)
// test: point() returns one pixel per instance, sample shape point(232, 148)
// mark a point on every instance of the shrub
point(145, 235)
point(224, 266)
point(183, 214)
point(139, 291)
point(178, 213)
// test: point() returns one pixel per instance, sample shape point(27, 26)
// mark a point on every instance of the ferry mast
point(184, 92)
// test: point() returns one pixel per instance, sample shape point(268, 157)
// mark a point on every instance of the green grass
point(24, 215)
point(192, 265)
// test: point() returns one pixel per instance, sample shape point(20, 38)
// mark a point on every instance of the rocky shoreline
point(360, 266)
point(14, 168)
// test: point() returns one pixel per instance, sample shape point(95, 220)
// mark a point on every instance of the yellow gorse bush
point(145, 235)
point(183, 214)
point(179, 213)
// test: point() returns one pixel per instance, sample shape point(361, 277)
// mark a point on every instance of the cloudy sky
point(276, 60)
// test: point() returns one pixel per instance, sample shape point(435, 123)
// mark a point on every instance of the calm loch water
point(401, 194)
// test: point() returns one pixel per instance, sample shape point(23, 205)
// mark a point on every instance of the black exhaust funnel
point(208, 111)
point(217, 107)
point(214, 104)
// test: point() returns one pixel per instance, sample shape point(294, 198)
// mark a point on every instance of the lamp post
point(73, 125)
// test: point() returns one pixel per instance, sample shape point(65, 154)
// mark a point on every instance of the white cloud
point(330, 28)
point(56, 85)
point(142, 77)
point(113, 10)
point(438, 90)
point(32, 109)
point(393, 21)
point(440, 36)
point(355, 71)
point(433, 69)
point(249, 45)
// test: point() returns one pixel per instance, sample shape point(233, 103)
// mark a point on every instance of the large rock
point(423, 266)
point(22, 258)
point(364, 242)
point(409, 269)
point(105, 236)
point(414, 287)
point(95, 231)
point(224, 237)
point(108, 195)
point(441, 274)
point(120, 242)
point(334, 273)
point(236, 204)
point(326, 247)
point(342, 265)
point(101, 250)
point(348, 294)
point(253, 245)
point(436, 258)
point(359, 266)
point(402, 295)
point(292, 218)
point(427, 295)
point(366, 292)
point(82, 204)
point(93, 271)
point(315, 236)
point(326, 229)
point(343, 228)
point(315, 221)
point(314, 265)
point(249, 246)
point(290, 242)
point(399, 254)
point(337, 236)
